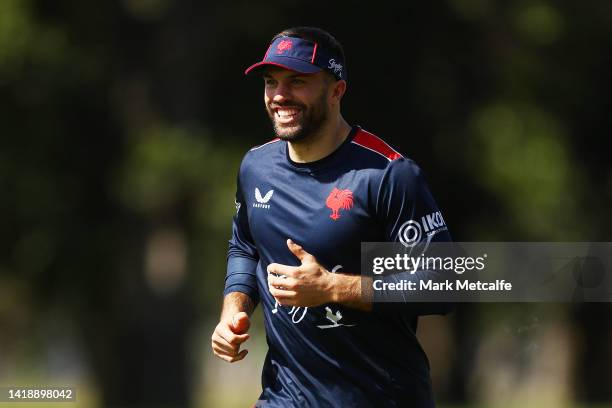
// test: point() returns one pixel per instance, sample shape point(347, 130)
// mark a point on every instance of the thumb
point(240, 323)
point(299, 252)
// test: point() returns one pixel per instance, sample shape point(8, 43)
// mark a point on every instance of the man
point(305, 201)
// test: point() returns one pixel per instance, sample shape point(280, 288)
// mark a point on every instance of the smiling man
point(305, 201)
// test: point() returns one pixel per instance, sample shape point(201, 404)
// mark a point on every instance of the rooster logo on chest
point(337, 200)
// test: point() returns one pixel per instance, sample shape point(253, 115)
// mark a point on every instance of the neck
point(321, 144)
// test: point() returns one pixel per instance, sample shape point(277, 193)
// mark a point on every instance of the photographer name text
point(448, 285)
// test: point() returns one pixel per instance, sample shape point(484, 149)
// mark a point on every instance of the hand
point(307, 285)
point(229, 335)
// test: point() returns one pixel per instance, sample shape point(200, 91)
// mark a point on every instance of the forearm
point(235, 302)
point(348, 290)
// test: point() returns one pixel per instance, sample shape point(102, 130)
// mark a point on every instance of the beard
point(310, 122)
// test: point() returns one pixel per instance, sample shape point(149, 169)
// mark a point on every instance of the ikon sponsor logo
point(433, 221)
point(411, 232)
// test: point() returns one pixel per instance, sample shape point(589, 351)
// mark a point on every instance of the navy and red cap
point(303, 56)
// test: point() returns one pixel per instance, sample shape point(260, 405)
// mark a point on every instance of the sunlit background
point(122, 127)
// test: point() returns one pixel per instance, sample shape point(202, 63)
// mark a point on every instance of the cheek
point(306, 98)
point(330, 97)
point(267, 102)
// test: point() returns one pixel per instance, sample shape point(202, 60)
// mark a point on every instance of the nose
point(280, 93)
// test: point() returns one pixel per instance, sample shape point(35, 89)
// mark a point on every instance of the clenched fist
point(228, 336)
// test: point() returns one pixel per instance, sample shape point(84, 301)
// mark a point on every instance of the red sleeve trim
point(374, 143)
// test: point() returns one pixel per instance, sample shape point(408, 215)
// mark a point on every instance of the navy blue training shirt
point(332, 355)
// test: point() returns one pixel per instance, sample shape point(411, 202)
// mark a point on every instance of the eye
point(298, 81)
point(269, 82)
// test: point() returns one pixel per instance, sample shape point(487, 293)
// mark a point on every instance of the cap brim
point(291, 64)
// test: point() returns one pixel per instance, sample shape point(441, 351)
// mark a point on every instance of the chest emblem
point(339, 200)
point(262, 201)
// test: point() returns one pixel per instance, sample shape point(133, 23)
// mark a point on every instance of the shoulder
point(370, 148)
point(261, 154)
point(404, 169)
point(260, 149)
point(374, 147)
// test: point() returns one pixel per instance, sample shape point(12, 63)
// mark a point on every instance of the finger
point(223, 357)
point(241, 323)
point(292, 303)
point(289, 300)
point(296, 250)
point(282, 282)
point(231, 337)
point(283, 295)
point(276, 279)
point(222, 346)
point(280, 269)
point(221, 342)
point(233, 358)
point(230, 357)
point(240, 356)
point(299, 252)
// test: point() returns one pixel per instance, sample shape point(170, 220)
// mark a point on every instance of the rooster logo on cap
point(283, 46)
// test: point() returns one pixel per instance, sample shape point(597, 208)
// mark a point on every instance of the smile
point(286, 115)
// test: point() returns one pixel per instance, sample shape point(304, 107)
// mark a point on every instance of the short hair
point(315, 34)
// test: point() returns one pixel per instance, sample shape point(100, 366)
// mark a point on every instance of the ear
point(338, 90)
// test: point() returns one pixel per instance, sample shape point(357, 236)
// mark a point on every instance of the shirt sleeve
point(410, 215)
point(242, 255)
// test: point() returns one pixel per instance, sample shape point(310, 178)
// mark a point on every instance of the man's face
point(296, 103)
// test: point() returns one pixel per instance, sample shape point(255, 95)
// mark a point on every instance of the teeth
point(286, 112)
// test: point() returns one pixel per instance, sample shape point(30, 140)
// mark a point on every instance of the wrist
point(333, 291)
point(347, 290)
point(343, 287)
point(236, 302)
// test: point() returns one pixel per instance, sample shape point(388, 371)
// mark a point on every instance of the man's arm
point(405, 199)
point(347, 290)
point(310, 284)
point(233, 325)
point(241, 292)
point(236, 302)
